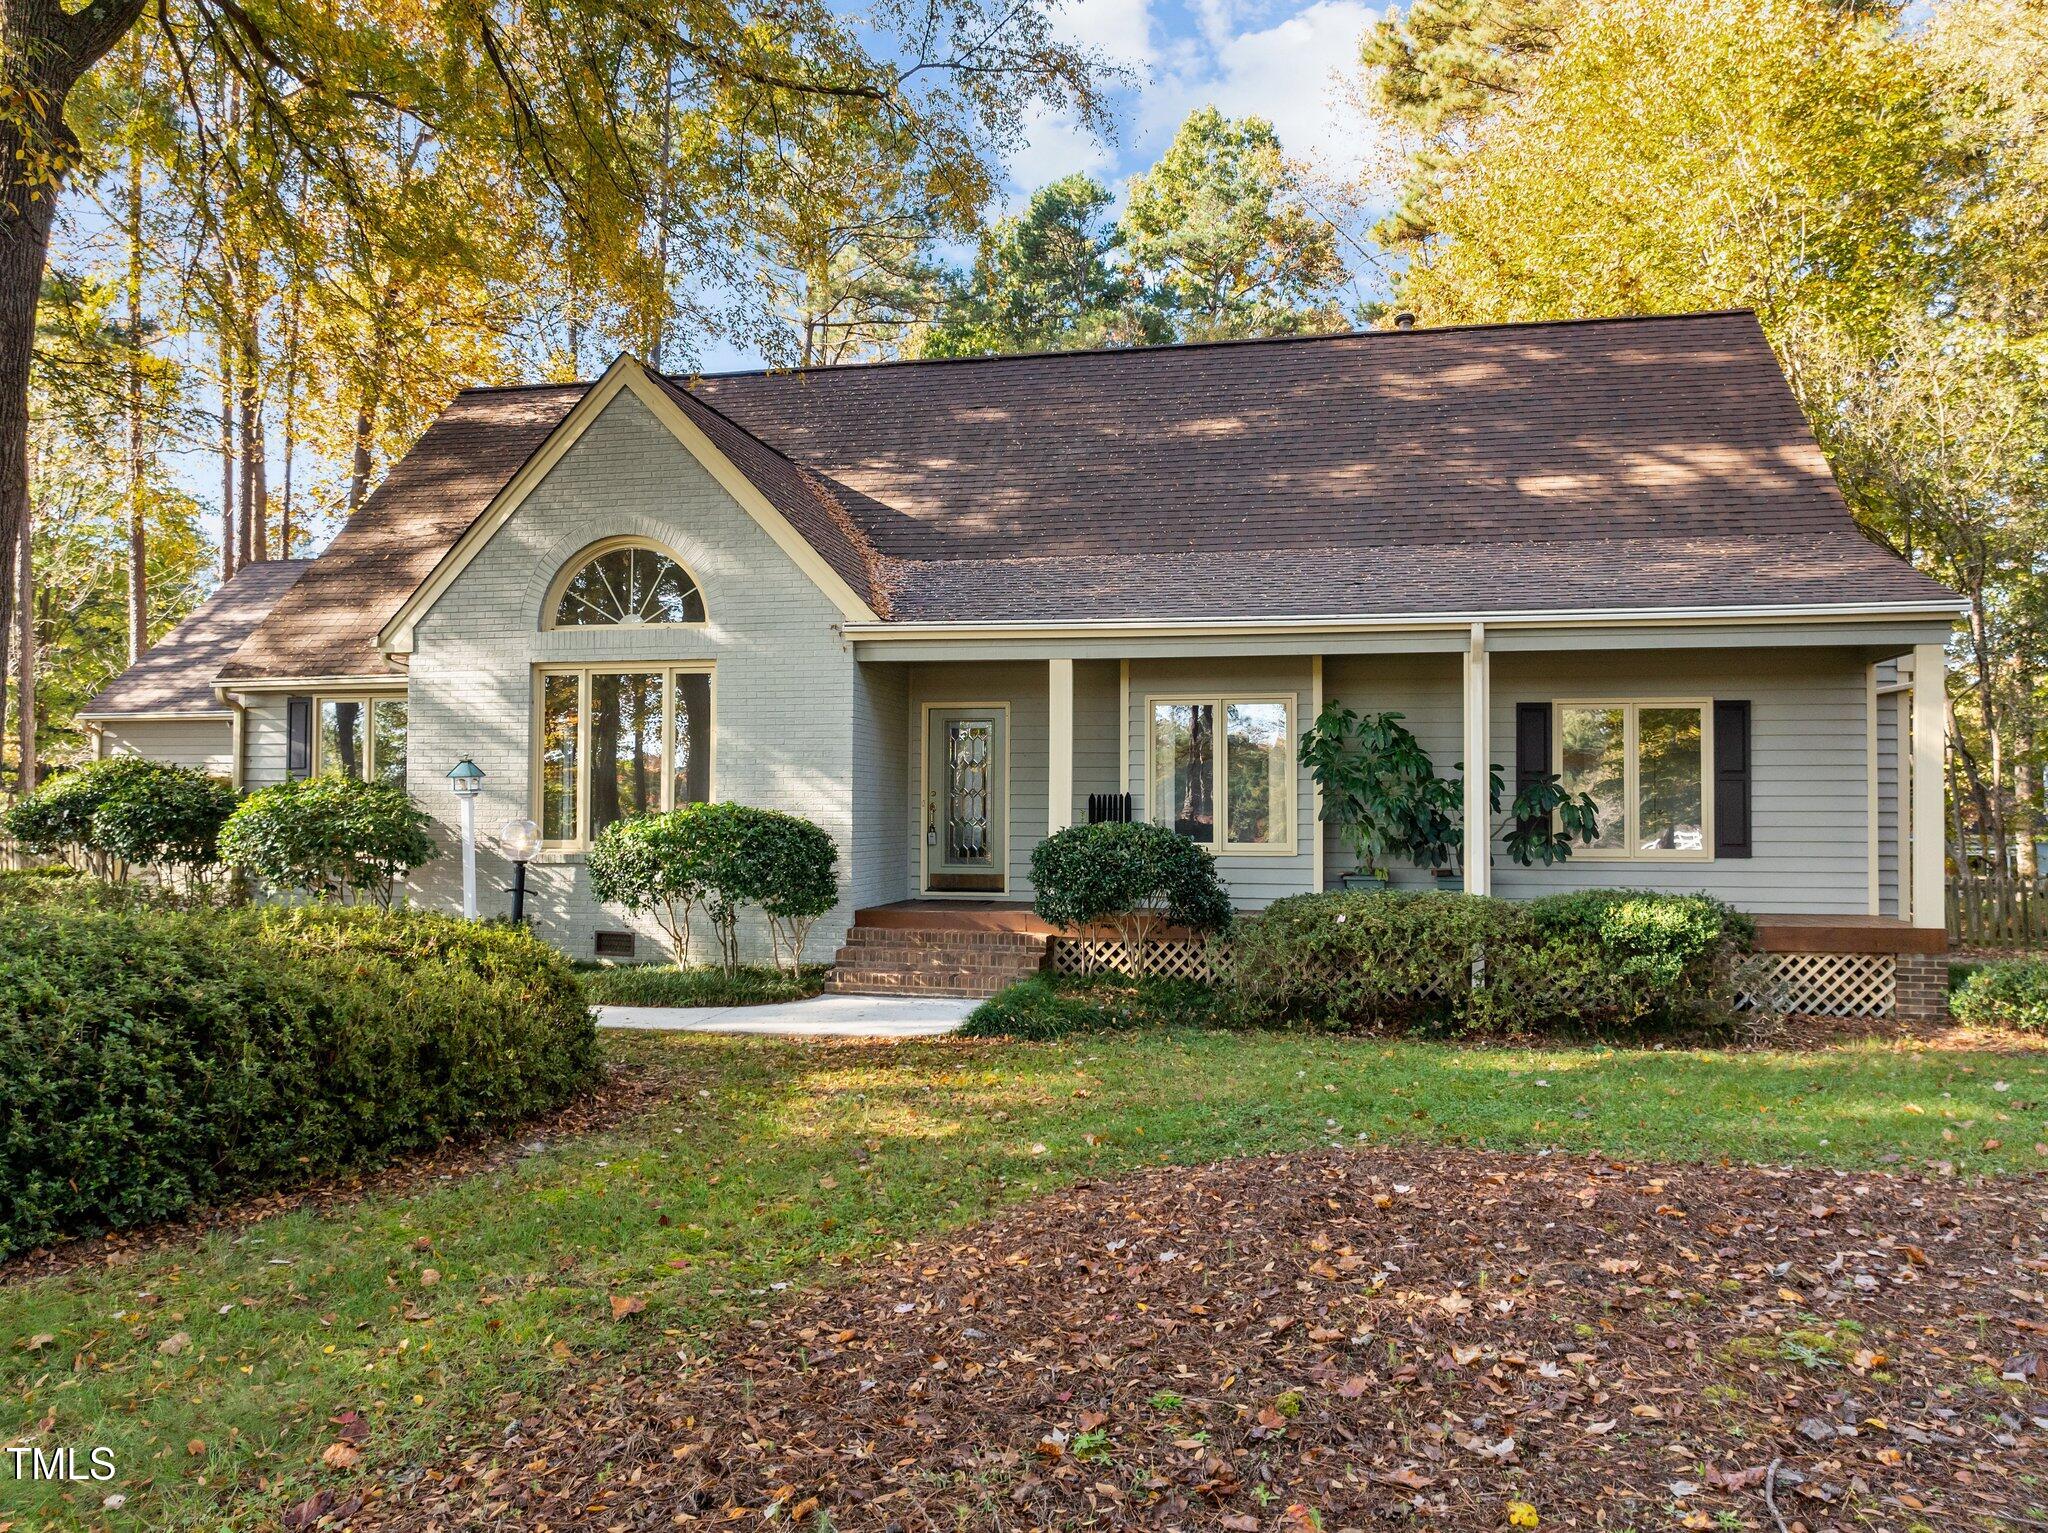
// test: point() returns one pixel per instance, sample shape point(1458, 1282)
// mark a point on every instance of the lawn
point(219, 1373)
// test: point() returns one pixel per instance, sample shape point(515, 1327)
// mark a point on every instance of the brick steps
point(899, 961)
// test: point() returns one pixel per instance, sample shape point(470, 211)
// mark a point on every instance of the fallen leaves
point(1340, 1341)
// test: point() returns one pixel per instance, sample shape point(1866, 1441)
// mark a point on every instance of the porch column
point(1929, 832)
point(1059, 765)
point(1478, 759)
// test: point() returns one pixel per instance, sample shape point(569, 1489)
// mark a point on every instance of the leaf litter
point(1347, 1339)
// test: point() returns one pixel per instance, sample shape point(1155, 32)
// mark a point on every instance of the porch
point(1837, 760)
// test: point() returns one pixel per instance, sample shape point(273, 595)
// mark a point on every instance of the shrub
point(1046, 1007)
point(1590, 961)
point(1680, 943)
point(62, 815)
point(334, 837)
point(1136, 877)
point(722, 857)
point(158, 1060)
point(168, 818)
point(658, 862)
point(2013, 993)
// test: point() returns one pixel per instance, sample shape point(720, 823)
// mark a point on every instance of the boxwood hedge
point(157, 1060)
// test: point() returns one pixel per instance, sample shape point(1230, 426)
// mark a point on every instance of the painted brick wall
point(784, 690)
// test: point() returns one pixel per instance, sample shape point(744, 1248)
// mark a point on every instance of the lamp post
point(521, 839)
point(467, 779)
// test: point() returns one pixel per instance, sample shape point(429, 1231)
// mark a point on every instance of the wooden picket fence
point(1997, 910)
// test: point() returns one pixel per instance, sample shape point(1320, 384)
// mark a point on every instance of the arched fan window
point(625, 584)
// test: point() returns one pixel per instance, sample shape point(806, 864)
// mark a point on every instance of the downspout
point(238, 734)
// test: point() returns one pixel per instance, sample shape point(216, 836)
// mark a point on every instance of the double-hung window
point(616, 741)
point(1220, 770)
point(1648, 767)
point(360, 737)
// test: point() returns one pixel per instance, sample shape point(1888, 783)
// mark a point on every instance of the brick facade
point(785, 696)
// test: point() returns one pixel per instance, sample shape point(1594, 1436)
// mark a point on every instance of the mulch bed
point(619, 1095)
point(1345, 1339)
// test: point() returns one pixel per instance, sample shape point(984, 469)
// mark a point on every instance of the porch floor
point(964, 915)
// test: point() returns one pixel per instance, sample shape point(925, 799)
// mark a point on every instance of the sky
point(1285, 61)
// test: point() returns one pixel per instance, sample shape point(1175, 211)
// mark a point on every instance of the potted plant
point(1381, 792)
point(1544, 820)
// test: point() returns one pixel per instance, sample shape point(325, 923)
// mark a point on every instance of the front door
point(966, 799)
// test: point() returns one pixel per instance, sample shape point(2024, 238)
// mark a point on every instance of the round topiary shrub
point(334, 837)
point(1137, 878)
point(660, 863)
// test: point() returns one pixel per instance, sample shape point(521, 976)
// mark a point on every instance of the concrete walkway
point(822, 1016)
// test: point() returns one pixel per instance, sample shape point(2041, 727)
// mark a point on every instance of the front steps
point(937, 961)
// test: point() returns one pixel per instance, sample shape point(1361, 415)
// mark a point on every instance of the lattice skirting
point(1105, 955)
point(1824, 984)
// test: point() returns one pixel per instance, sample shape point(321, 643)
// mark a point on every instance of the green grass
point(666, 985)
point(774, 1163)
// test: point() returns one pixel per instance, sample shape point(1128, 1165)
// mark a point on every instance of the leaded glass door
point(966, 805)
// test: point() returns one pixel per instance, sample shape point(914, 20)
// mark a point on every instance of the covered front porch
point(1807, 819)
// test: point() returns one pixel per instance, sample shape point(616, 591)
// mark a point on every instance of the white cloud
point(1291, 73)
point(1122, 29)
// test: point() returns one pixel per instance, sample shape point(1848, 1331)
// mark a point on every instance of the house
point(944, 608)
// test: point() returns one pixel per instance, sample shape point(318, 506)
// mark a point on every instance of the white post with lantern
point(467, 779)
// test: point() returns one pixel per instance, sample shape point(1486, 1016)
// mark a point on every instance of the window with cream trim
point(1220, 770)
point(1647, 766)
point(612, 742)
point(360, 737)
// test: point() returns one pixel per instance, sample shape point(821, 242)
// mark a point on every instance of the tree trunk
point(2026, 806)
point(255, 494)
point(24, 243)
point(43, 50)
point(138, 533)
point(230, 539)
point(25, 654)
point(359, 460)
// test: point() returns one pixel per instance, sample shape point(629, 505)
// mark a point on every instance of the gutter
point(1418, 622)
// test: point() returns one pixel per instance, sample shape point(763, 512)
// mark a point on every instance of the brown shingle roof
point(1584, 465)
point(327, 625)
point(175, 674)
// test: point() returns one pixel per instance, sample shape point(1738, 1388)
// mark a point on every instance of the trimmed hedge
point(661, 984)
point(159, 1060)
point(1591, 961)
point(2012, 993)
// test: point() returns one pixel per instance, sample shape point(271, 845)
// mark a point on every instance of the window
point(624, 584)
point(362, 737)
point(615, 742)
point(1646, 766)
point(1221, 771)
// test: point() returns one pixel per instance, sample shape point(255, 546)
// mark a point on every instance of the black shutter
point(1532, 744)
point(1731, 780)
point(298, 736)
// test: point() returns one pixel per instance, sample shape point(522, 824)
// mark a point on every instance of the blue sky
point(1289, 62)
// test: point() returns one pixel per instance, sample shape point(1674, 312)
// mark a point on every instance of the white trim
point(1631, 708)
point(163, 717)
point(575, 564)
point(1477, 786)
point(296, 684)
point(1870, 762)
point(925, 806)
point(1219, 767)
point(1059, 746)
point(1123, 733)
point(1930, 740)
point(1315, 712)
point(397, 635)
point(1428, 622)
point(667, 670)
